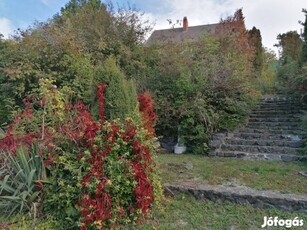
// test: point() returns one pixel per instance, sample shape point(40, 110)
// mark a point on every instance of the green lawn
point(261, 175)
point(184, 212)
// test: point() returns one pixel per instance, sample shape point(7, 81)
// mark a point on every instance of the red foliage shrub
point(116, 186)
point(100, 201)
point(147, 112)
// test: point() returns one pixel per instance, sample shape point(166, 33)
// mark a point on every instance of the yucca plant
point(19, 176)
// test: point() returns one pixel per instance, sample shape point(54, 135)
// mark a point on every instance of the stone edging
point(242, 195)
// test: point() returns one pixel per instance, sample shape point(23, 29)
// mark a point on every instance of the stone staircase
point(273, 132)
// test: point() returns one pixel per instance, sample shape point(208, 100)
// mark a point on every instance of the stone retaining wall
point(243, 195)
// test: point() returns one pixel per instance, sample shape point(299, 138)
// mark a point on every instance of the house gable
point(179, 35)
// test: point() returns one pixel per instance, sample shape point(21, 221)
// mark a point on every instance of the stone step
point(241, 195)
point(279, 106)
point(284, 130)
point(291, 102)
point(294, 104)
point(272, 131)
point(278, 98)
point(269, 128)
point(274, 119)
point(277, 102)
point(275, 123)
point(258, 156)
point(278, 137)
point(265, 142)
point(276, 116)
point(276, 113)
point(260, 149)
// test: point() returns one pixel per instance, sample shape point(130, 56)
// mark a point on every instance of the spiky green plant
point(19, 176)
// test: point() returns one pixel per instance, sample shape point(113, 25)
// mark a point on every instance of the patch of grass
point(23, 222)
point(261, 175)
point(184, 212)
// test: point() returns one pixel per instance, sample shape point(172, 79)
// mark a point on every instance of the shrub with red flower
point(102, 169)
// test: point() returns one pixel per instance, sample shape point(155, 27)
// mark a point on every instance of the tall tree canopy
point(255, 41)
point(290, 45)
point(304, 48)
point(69, 48)
point(233, 33)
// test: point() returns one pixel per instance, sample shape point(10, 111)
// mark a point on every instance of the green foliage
point(202, 88)
point(290, 45)
point(73, 6)
point(304, 48)
point(43, 53)
point(233, 112)
point(300, 83)
point(21, 176)
point(286, 75)
point(292, 73)
point(268, 79)
point(255, 40)
point(65, 188)
point(8, 103)
point(120, 94)
point(68, 50)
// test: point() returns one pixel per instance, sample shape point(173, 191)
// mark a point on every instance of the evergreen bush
point(120, 93)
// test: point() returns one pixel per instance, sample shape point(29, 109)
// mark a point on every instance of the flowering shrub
point(102, 174)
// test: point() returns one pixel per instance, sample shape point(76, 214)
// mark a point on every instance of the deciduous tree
point(234, 35)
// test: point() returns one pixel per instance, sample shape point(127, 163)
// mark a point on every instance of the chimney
point(185, 24)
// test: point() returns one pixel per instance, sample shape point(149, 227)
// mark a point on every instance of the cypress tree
point(255, 41)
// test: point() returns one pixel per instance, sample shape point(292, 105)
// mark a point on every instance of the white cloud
point(6, 27)
point(274, 17)
point(271, 17)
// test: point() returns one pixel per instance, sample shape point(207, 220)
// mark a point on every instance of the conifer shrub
point(120, 93)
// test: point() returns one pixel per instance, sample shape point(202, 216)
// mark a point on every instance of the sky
point(272, 17)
